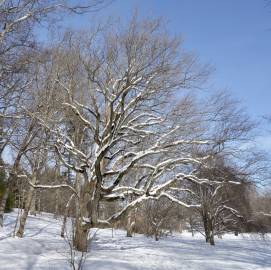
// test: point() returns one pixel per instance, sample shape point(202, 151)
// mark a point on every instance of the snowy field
point(43, 248)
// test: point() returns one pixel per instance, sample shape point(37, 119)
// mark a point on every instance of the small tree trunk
point(206, 229)
point(65, 216)
point(129, 229)
point(3, 205)
point(33, 203)
point(39, 202)
point(212, 240)
point(57, 204)
point(129, 233)
point(23, 218)
point(62, 234)
point(16, 222)
point(191, 225)
point(211, 230)
point(27, 207)
point(157, 233)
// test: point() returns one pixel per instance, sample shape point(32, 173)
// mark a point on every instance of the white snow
point(43, 248)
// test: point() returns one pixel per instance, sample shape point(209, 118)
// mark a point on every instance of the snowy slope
point(43, 248)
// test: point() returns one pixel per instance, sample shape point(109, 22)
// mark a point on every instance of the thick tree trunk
point(80, 241)
point(89, 215)
point(84, 213)
point(208, 229)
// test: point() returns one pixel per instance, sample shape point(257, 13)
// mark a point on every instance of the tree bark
point(62, 234)
point(212, 240)
point(65, 216)
point(211, 232)
point(80, 241)
point(191, 226)
point(33, 204)
point(56, 204)
point(129, 227)
point(3, 205)
point(157, 236)
point(24, 216)
point(39, 202)
point(28, 205)
point(80, 238)
point(206, 228)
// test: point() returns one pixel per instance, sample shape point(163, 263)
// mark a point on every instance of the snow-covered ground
point(43, 248)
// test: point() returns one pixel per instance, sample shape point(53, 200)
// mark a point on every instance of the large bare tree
point(120, 86)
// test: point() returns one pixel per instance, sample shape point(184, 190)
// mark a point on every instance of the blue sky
point(232, 35)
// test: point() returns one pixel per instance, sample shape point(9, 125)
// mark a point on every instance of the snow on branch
point(23, 176)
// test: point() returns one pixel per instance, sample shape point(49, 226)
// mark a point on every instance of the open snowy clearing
point(43, 248)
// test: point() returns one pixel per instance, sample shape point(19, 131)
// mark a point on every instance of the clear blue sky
point(232, 35)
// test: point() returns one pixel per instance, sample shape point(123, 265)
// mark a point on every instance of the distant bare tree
point(157, 218)
point(230, 129)
point(36, 158)
point(18, 20)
